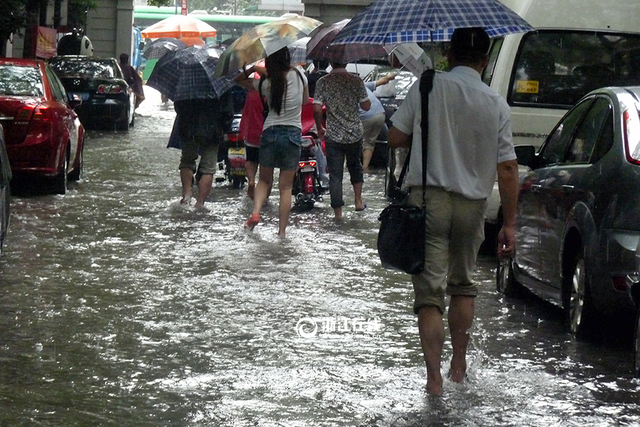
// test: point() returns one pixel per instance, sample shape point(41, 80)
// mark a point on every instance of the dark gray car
point(5, 179)
point(578, 221)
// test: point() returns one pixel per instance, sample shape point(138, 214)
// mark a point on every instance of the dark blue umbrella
point(158, 48)
point(413, 21)
point(189, 74)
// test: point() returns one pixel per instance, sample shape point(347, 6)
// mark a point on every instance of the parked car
point(633, 282)
point(107, 99)
point(5, 180)
point(44, 136)
point(543, 73)
point(578, 210)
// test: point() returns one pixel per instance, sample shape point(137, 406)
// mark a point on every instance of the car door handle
point(567, 188)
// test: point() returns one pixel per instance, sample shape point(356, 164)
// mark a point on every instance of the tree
point(13, 17)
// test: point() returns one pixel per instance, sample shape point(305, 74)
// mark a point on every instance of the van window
point(557, 68)
point(494, 51)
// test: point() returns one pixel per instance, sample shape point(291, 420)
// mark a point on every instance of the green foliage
point(77, 12)
point(13, 17)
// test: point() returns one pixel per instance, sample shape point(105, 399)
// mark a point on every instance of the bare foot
point(434, 389)
point(185, 200)
point(457, 375)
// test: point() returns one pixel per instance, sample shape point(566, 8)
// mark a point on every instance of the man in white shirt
point(469, 141)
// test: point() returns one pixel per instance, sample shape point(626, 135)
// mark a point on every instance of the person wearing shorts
point(285, 90)
point(201, 125)
point(469, 142)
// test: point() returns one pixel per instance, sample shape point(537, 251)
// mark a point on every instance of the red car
point(43, 134)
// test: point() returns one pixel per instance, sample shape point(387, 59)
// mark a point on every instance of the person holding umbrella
point(285, 90)
point(469, 140)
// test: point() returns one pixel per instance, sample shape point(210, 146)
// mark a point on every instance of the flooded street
point(119, 307)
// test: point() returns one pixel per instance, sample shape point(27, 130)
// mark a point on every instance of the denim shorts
point(280, 147)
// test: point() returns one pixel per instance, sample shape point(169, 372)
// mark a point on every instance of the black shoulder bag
point(401, 239)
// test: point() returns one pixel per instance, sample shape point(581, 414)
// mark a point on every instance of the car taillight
point(38, 113)
point(631, 135)
point(233, 137)
point(619, 283)
point(113, 89)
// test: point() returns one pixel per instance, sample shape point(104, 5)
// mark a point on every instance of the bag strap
point(426, 84)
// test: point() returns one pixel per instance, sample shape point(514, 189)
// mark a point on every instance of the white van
point(577, 46)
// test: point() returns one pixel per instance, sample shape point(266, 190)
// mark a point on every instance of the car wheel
point(60, 180)
point(506, 283)
point(76, 175)
point(579, 309)
point(636, 346)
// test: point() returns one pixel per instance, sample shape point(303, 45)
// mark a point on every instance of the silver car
point(578, 222)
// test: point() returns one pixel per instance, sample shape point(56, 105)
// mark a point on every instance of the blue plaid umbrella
point(405, 21)
point(158, 48)
point(189, 74)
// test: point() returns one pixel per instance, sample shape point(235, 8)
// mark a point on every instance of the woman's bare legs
point(284, 208)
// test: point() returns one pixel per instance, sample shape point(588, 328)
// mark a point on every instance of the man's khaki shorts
point(454, 233)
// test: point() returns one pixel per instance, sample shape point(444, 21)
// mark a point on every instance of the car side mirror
point(526, 155)
point(74, 100)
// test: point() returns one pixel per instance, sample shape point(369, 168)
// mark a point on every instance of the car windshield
point(85, 68)
point(557, 68)
point(20, 81)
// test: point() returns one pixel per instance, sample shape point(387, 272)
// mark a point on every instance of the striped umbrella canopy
point(414, 21)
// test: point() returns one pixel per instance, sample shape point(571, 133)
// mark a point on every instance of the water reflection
point(119, 307)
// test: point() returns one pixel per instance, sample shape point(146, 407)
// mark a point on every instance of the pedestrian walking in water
point(342, 93)
point(372, 120)
point(132, 77)
point(251, 125)
point(285, 90)
point(201, 125)
point(469, 139)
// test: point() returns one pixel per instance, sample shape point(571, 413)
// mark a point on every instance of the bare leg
point(366, 159)
point(204, 189)
point(263, 189)
point(357, 190)
point(431, 327)
point(251, 169)
point(461, 309)
point(286, 181)
point(338, 213)
point(186, 178)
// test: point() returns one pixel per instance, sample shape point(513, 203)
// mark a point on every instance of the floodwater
point(119, 307)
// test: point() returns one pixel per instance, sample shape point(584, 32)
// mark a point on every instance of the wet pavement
point(119, 307)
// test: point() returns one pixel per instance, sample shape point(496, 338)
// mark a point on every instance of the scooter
point(236, 157)
point(307, 184)
point(307, 188)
